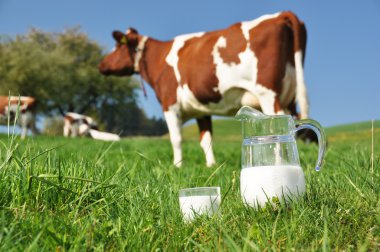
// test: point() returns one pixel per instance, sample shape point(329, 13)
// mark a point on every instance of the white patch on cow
point(174, 122)
point(248, 99)
point(77, 116)
point(178, 43)
point(248, 25)
point(301, 87)
point(187, 100)
point(139, 52)
point(206, 144)
point(231, 75)
point(83, 129)
point(191, 107)
point(267, 98)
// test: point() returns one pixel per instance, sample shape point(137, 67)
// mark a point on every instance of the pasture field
point(60, 194)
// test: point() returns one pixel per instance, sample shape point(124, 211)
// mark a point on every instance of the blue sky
point(343, 50)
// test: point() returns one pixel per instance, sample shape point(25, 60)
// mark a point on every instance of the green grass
point(80, 194)
point(353, 128)
point(223, 129)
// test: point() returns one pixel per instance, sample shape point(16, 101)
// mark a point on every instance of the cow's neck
point(152, 61)
point(139, 53)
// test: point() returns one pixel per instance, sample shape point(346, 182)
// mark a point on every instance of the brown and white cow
point(22, 105)
point(258, 63)
point(81, 125)
point(75, 124)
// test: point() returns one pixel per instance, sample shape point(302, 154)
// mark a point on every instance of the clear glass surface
point(199, 201)
point(271, 170)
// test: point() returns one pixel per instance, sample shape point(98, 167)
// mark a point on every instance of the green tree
point(60, 70)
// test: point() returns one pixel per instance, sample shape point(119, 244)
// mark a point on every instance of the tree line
point(60, 70)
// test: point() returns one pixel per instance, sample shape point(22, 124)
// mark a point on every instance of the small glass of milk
point(198, 201)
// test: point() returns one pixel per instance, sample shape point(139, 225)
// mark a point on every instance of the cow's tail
point(299, 38)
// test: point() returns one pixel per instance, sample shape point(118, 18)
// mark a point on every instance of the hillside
point(229, 129)
point(353, 127)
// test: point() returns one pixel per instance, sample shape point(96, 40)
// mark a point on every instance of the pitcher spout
point(248, 113)
point(256, 123)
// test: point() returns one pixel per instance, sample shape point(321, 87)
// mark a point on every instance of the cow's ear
point(132, 30)
point(133, 36)
point(119, 37)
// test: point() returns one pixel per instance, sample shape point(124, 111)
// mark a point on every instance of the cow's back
point(223, 67)
point(3, 104)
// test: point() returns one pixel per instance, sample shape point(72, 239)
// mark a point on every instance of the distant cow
point(77, 125)
point(80, 125)
point(9, 105)
point(258, 63)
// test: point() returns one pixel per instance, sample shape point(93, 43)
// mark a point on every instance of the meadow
point(59, 194)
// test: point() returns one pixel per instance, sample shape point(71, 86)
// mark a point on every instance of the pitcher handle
point(317, 128)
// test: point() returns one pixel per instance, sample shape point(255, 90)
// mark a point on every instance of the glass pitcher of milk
point(271, 169)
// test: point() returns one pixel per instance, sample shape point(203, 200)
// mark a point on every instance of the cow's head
point(121, 60)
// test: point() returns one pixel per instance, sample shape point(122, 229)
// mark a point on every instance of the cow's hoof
point(178, 164)
point(211, 164)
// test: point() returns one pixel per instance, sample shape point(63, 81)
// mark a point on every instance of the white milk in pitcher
point(204, 204)
point(260, 183)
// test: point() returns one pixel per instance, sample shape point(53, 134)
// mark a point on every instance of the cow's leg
point(205, 133)
point(74, 129)
point(269, 101)
point(174, 123)
point(24, 125)
point(66, 127)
